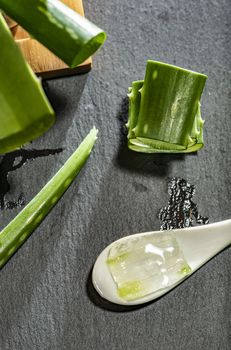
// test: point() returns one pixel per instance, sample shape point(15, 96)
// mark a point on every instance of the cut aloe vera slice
point(164, 110)
point(25, 112)
point(63, 31)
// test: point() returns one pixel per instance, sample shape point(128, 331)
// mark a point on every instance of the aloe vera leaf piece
point(145, 145)
point(25, 112)
point(169, 116)
point(63, 31)
point(169, 102)
point(20, 228)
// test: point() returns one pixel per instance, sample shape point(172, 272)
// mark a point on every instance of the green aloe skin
point(25, 112)
point(19, 229)
point(164, 110)
point(68, 35)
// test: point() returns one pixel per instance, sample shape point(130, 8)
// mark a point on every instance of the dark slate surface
point(46, 298)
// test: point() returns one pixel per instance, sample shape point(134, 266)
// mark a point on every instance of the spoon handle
point(201, 243)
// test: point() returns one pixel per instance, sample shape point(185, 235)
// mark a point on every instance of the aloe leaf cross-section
point(25, 112)
point(164, 110)
point(62, 30)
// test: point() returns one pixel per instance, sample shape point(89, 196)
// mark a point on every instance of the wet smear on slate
point(20, 202)
point(181, 211)
point(15, 160)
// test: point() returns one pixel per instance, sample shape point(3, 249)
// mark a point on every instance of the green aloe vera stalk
point(19, 229)
point(25, 112)
point(164, 110)
point(68, 35)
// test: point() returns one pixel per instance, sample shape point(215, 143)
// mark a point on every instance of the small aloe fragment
point(164, 110)
point(20, 228)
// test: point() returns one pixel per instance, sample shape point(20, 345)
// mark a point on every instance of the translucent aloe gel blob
point(143, 265)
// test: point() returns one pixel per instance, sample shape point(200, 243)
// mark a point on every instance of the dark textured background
point(46, 299)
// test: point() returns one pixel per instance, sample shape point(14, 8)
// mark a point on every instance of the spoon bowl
point(199, 244)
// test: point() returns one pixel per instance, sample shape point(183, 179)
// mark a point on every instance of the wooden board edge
point(85, 67)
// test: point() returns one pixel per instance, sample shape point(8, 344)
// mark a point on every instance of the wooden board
point(43, 62)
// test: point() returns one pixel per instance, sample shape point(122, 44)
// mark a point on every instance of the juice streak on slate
point(12, 161)
point(181, 210)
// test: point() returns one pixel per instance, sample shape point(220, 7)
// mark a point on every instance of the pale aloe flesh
point(142, 266)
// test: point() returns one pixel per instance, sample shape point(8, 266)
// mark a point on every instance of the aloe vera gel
point(146, 264)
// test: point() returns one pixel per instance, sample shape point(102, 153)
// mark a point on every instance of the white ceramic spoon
point(199, 244)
